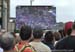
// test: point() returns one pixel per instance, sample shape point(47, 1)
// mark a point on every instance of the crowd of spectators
point(30, 40)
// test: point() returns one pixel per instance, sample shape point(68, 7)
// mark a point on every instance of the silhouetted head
point(37, 33)
point(25, 32)
point(7, 41)
point(49, 37)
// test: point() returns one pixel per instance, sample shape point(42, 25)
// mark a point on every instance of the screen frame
point(51, 6)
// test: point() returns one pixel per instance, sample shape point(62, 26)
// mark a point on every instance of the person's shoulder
point(28, 49)
point(17, 46)
point(31, 43)
point(62, 40)
point(45, 46)
point(60, 44)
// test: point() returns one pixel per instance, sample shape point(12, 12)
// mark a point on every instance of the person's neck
point(37, 40)
point(73, 33)
point(25, 42)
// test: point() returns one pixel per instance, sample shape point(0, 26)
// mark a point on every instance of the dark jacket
point(49, 44)
point(67, 43)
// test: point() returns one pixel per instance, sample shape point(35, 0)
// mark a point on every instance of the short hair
point(25, 32)
point(61, 31)
point(69, 31)
point(73, 26)
point(49, 36)
point(7, 41)
point(57, 36)
point(37, 33)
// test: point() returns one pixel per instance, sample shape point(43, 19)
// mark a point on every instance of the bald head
point(7, 41)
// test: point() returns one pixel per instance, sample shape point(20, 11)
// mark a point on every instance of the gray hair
point(7, 41)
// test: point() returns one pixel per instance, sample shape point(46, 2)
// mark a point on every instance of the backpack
point(24, 47)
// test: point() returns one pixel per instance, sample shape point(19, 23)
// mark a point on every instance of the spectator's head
point(61, 33)
point(57, 36)
point(69, 31)
point(37, 33)
point(68, 25)
point(7, 41)
point(49, 37)
point(25, 32)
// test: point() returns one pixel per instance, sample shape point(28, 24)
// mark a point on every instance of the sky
point(65, 9)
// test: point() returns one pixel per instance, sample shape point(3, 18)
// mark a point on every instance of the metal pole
point(31, 2)
point(2, 12)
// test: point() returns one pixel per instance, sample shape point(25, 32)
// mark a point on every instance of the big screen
point(35, 16)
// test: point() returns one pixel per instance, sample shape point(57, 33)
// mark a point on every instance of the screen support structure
point(31, 1)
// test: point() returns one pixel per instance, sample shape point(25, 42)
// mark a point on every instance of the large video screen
point(35, 16)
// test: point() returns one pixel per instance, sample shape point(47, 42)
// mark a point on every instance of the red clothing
point(20, 45)
point(68, 26)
